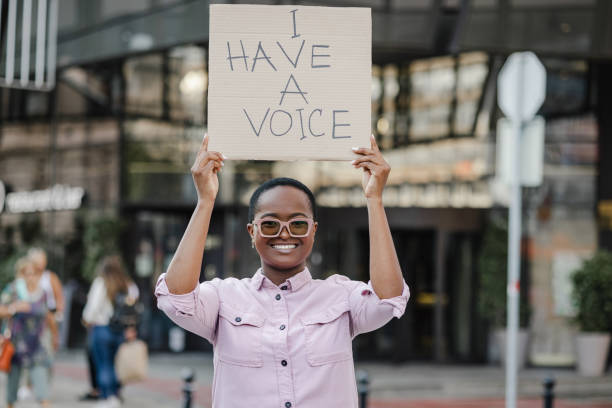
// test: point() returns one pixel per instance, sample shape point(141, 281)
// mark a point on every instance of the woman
point(26, 327)
point(50, 284)
point(112, 283)
point(282, 339)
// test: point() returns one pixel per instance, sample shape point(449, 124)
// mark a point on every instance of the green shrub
point(7, 267)
point(592, 293)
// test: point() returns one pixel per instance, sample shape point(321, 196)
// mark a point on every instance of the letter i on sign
point(295, 34)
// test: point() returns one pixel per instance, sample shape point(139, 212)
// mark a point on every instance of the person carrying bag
point(103, 314)
point(131, 361)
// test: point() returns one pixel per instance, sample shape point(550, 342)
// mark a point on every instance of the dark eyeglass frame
point(284, 224)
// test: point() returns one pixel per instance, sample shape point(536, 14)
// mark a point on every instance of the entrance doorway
point(440, 322)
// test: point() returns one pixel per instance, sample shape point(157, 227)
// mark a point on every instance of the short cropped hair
point(276, 182)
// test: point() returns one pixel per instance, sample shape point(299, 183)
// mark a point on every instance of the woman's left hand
point(375, 169)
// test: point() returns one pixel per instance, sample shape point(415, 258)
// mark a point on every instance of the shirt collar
point(295, 282)
point(258, 279)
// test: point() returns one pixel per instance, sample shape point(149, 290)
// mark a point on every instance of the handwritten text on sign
point(289, 82)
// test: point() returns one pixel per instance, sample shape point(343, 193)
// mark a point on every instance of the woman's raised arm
point(385, 271)
point(184, 271)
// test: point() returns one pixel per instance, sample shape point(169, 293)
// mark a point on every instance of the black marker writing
point(335, 125)
point(243, 56)
point(265, 56)
point(297, 58)
point(257, 132)
point(285, 91)
point(312, 62)
point(295, 34)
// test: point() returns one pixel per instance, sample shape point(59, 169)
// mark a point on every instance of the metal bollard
point(363, 384)
point(188, 375)
point(549, 394)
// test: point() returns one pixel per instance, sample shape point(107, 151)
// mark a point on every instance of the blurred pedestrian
point(110, 285)
point(26, 328)
point(282, 337)
point(51, 285)
point(93, 394)
point(49, 282)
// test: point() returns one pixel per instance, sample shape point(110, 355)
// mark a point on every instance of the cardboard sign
point(289, 82)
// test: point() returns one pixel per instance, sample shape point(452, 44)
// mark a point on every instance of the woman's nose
point(284, 233)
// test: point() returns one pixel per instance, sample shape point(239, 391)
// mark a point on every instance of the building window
point(144, 85)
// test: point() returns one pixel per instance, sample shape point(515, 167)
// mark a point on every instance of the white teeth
point(291, 246)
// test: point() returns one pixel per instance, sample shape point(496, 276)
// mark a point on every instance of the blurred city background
point(95, 158)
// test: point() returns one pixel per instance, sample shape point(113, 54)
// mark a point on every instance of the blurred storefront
point(129, 111)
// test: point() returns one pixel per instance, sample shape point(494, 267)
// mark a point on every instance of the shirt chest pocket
point(239, 337)
point(327, 334)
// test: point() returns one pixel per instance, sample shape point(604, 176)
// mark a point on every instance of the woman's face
point(28, 273)
point(284, 252)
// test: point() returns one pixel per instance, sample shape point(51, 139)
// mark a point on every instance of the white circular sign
point(521, 86)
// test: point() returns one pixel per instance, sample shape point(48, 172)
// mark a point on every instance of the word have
point(261, 54)
point(281, 122)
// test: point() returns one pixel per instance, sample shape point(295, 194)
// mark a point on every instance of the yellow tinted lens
point(298, 227)
point(269, 227)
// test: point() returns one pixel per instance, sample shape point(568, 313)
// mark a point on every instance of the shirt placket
point(282, 358)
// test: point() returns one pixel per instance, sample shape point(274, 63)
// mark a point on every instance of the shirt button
point(284, 287)
point(284, 363)
point(238, 319)
point(282, 327)
point(288, 404)
point(278, 297)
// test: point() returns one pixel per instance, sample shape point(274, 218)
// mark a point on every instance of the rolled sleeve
point(369, 312)
point(196, 311)
point(398, 303)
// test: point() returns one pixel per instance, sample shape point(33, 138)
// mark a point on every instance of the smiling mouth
point(284, 246)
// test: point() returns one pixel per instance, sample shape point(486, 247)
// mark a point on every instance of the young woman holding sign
point(282, 339)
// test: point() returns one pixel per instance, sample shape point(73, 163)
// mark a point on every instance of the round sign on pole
point(521, 86)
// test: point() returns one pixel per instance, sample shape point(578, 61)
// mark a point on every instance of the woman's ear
point(251, 230)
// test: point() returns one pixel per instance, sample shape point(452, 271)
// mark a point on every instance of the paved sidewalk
point(401, 386)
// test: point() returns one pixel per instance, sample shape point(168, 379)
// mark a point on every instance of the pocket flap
point(328, 315)
point(237, 318)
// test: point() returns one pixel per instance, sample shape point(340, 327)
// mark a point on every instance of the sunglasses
point(272, 227)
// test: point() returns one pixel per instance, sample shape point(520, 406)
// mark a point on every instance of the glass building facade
point(128, 115)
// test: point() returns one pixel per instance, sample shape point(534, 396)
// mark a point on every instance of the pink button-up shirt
point(286, 346)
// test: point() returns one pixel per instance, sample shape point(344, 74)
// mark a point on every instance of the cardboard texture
point(289, 82)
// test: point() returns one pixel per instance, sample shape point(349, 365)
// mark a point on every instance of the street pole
point(522, 90)
point(514, 254)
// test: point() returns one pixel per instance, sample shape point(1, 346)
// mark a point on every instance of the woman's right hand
point(204, 172)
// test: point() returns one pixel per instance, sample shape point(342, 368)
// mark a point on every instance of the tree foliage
point(101, 238)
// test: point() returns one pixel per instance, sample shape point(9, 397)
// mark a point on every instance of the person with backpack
point(110, 315)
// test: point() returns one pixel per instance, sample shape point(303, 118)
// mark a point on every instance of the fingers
point(204, 145)
point(368, 166)
point(372, 150)
point(366, 158)
point(205, 157)
point(373, 144)
point(373, 167)
point(363, 150)
point(212, 165)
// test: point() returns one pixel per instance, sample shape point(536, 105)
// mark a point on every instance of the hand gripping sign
point(289, 82)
